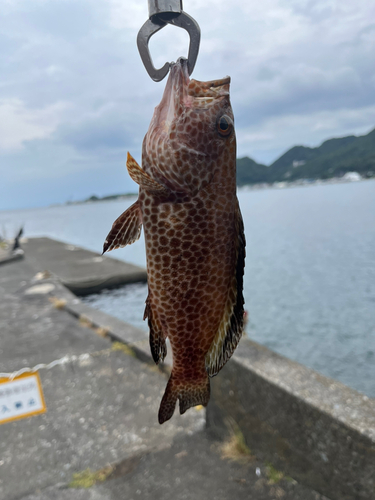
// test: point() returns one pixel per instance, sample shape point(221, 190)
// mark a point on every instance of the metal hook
point(161, 13)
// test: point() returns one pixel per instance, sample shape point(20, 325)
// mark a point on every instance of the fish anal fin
point(189, 393)
point(158, 345)
point(231, 326)
point(125, 230)
point(143, 179)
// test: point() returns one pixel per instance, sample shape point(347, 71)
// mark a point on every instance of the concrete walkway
point(80, 270)
point(99, 439)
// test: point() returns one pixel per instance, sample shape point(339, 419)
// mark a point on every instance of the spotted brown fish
point(195, 244)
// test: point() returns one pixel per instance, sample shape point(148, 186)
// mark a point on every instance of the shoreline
point(300, 183)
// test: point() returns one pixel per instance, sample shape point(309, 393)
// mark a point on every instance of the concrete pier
point(99, 439)
point(80, 270)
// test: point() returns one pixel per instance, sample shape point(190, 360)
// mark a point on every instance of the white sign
point(21, 397)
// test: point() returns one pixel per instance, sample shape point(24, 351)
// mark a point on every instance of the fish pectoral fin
point(125, 230)
point(231, 326)
point(143, 179)
point(158, 345)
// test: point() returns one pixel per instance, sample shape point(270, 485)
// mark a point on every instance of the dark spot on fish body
point(163, 241)
point(189, 325)
point(189, 309)
point(186, 254)
point(198, 239)
point(175, 243)
point(175, 252)
point(166, 260)
point(194, 301)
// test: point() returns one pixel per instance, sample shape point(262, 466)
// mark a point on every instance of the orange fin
point(231, 327)
point(188, 393)
point(157, 339)
point(125, 230)
point(144, 180)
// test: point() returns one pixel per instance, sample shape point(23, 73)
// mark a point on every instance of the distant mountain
point(250, 172)
point(333, 158)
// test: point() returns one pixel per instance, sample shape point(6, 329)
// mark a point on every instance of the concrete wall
point(315, 429)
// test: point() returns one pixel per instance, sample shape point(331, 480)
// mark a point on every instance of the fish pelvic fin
point(144, 180)
point(231, 326)
point(189, 393)
point(158, 345)
point(125, 230)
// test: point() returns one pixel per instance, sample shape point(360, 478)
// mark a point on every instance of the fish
point(194, 234)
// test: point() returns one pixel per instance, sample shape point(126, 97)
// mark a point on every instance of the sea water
point(309, 280)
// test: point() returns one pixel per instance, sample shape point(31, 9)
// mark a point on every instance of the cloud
point(74, 95)
point(268, 139)
point(19, 123)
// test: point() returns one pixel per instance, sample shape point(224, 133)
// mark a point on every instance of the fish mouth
point(212, 89)
point(183, 89)
point(180, 92)
point(175, 93)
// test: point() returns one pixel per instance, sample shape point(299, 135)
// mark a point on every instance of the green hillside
point(250, 172)
point(333, 158)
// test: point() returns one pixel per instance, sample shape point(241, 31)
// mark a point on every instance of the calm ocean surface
point(310, 270)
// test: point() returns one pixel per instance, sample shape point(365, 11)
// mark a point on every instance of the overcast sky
point(74, 96)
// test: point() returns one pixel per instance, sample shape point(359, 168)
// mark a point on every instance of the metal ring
point(155, 24)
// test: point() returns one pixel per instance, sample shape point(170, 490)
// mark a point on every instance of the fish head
point(192, 128)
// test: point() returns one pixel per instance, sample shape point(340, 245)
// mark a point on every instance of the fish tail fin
point(191, 393)
point(168, 403)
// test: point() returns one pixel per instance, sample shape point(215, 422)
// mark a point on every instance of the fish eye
point(224, 126)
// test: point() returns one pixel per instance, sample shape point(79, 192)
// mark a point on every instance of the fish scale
point(195, 245)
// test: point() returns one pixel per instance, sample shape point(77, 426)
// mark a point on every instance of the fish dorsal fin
point(231, 325)
point(157, 339)
point(125, 230)
point(143, 179)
